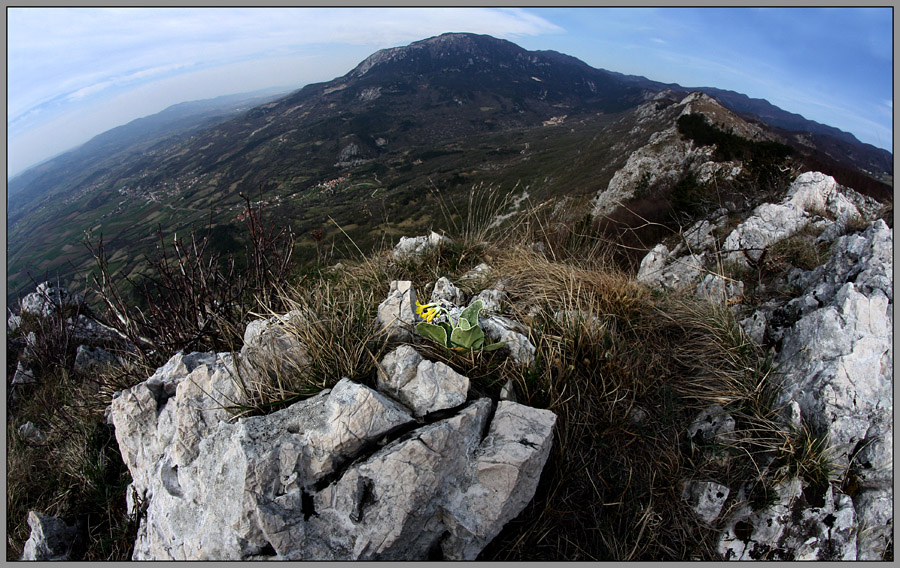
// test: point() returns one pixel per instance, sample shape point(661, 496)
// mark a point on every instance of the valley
point(405, 131)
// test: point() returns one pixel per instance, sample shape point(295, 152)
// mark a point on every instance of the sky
point(73, 73)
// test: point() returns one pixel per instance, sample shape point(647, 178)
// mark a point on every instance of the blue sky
point(75, 72)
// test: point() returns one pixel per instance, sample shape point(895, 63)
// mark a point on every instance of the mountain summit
point(464, 63)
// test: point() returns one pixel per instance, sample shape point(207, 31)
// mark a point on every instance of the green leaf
point(470, 314)
point(472, 338)
point(464, 324)
point(434, 332)
point(494, 346)
point(448, 329)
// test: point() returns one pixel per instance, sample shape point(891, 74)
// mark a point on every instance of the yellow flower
point(428, 311)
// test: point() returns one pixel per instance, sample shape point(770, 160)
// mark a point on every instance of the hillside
point(368, 150)
point(464, 302)
point(738, 388)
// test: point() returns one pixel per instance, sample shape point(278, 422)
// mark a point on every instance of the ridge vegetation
point(623, 368)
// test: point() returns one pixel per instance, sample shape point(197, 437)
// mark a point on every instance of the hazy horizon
point(75, 73)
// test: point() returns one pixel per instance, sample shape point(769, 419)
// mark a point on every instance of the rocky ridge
point(666, 156)
point(832, 346)
point(413, 469)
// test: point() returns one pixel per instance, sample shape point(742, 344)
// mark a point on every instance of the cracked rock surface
point(352, 473)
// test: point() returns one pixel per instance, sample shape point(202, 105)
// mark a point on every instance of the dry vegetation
point(625, 370)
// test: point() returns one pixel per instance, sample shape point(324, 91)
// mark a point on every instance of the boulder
point(51, 538)
point(30, 433)
point(347, 474)
point(706, 498)
point(273, 344)
point(444, 290)
point(422, 385)
point(397, 313)
point(499, 328)
point(47, 298)
point(92, 359)
point(413, 249)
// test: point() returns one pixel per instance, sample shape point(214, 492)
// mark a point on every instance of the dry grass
point(76, 473)
point(611, 488)
point(625, 370)
point(334, 322)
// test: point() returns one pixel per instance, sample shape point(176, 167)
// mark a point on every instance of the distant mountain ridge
point(870, 157)
point(448, 111)
point(139, 132)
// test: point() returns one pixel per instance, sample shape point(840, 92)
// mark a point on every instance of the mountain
point(370, 150)
point(837, 144)
point(132, 138)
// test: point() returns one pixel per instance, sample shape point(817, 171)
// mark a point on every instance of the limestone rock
point(257, 468)
point(479, 273)
point(715, 288)
point(13, 323)
point(818, 193)
point(397, 313)
point(755, 326)
point(92, 359)
point(177, 406)
point(751, 535)
point(706, 498)
point(711, 424)
point(768, 224)
point(390, 506)
point(788, 530)
point(412, 249)
point(662, 159)
point(663, 270)
point(698, 237)
point(492, 300)
point(445, 290)
point(811, 194)
point(23, 375)
point(499, 328)
point(47, 298)
point(508, 467)
point(30, 433)
point(346, 474)
point(653, 263)
point(273, 344)
point(508, 391)
point(87, 330)
point(51, 538)
point(422, 385)
point(417, 495)
point(837, 364)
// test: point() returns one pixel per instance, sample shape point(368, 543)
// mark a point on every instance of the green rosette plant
point(463, 334)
